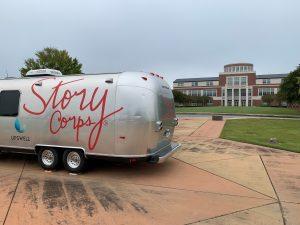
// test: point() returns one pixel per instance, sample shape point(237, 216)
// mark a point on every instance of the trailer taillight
point(175, 121)
point(156, 75)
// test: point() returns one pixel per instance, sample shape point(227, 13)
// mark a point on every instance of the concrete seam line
point(280, 205)
point(260, 146)
point(227, 179)
point(295, 203)
point(198, 128)
point(196, 191)
point(14, 192)
point(223, 159)
point(227, 214)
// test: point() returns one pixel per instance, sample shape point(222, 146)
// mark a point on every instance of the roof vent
point(43, 72)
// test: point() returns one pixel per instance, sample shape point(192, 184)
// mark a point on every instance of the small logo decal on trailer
point(19, 127)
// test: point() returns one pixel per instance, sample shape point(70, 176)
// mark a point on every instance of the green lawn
point(239, 110)
point(259, 131)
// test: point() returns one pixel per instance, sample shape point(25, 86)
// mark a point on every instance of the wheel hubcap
point(73, 160)
point(47, 157)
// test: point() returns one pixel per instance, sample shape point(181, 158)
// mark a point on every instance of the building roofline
point(196, 79)
point(203, 79)
point(278, 75)
point(238, 64)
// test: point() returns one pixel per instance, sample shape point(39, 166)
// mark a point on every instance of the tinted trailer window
point(9, 103)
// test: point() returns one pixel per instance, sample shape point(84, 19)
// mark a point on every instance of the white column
point(225, 96)
point(247, 97)
point(240, 97)
point(232, 96)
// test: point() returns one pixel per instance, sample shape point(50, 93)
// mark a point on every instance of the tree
point(299, 84)
point(188, 100)
point(290, 87)
point(179, 97)
point(200, 100)
point(52, 58)
point(269, 99)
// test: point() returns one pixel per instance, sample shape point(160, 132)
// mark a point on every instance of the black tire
point(79, 161)
point(52, 162)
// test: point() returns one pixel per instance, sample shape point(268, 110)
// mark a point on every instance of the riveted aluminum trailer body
point(125, 115)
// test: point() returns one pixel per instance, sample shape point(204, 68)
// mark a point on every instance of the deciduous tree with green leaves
point(53, 58)
point(290, 87)
point(180, 97)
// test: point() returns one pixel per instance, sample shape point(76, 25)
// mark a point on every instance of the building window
point(209, 83)
point(194, 84)
point(229, 93)
point(210, 92)
point(250, 92)
point(236, 80)
point(265, 91)
point(230, 81)
point(243, 80)
point(180, 84)
point(243, 92)
point(9, 103)
point(186, 92)
point(266, 81)
point(194, 92)
point(223, 92)
point(236, 92)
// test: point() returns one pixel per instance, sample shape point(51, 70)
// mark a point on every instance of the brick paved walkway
point(210, 181)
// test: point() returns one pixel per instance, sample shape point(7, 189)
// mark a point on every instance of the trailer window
point(9, 103)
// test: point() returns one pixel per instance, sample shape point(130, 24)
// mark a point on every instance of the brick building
point(237, 85)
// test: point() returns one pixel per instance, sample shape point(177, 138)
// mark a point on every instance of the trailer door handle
point(109, 81)
point(39, 84)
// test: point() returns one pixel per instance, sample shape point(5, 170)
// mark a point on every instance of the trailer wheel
point(48, 158)
point(74, 160)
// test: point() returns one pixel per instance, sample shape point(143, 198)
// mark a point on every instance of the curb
point(238, 114)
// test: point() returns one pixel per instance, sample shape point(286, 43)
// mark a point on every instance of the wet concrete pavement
point(210, 181)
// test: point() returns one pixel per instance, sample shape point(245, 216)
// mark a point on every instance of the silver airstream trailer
point(126, 115)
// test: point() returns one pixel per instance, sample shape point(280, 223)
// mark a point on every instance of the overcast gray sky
point(177, 38)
